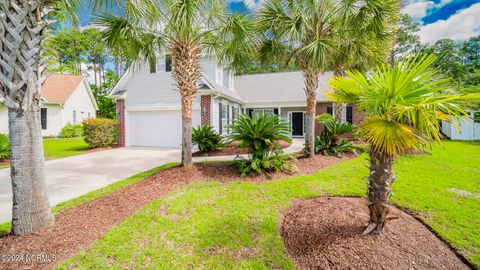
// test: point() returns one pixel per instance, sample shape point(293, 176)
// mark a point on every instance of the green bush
point(207, 139)
point(260, 135)
point(4, 146)
point(71, 131)
point(100, 132)
point(329, 142)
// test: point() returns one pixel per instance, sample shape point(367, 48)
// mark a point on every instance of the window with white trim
point(74, 117)
point(165, 64)
point(223, 118)
point(219, 74)
point(264, 111)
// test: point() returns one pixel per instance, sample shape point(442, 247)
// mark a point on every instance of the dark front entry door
point(297, 124)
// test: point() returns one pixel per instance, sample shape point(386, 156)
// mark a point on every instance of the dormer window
point(219, 74)
point(230, 82)
point(165, 65)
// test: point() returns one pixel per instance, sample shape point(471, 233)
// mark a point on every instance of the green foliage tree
point(308, 32)
point(106, 106)
point(406, 38)
point(184, 29)
point(403, 105)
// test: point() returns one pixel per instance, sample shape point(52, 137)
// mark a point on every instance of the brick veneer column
point(206, 110)
point(121, 122)
point(321, 109)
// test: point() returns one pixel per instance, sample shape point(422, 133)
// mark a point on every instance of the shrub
point(4, 146)
point(330, 142)
point(100, 132)
point(207, 139)
point(260, 135)
point(71, 131)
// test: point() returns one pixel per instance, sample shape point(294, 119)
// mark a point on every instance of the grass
point(234, 225)
point(61, 147)
point(55, 148)
point(5, 227)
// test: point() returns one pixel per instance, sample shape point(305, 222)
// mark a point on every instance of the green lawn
point(59, 148)
point(234, 225)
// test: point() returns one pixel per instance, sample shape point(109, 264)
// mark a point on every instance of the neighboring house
point(149, 108)
point(468, 128)
point(65, 99)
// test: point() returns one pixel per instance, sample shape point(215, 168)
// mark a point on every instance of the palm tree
point(23, 27)
point(306, 31)
point(186, 29)
point(403, 106)
point(367, 48)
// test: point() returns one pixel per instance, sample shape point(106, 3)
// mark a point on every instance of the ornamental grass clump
point(260, 134)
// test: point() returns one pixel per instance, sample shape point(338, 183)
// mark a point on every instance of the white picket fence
point(468, 130)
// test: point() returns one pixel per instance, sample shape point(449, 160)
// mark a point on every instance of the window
point(476, 117)
point(168, 63)
point(219, 74)
point(265, 111)
point(349, 116)
point(88, 115)
point(74, 117)
point(223, 117)
point(43, 117)
point(230, 82)
point(165, 65)
point(330, 110)
point(152, 64)
point(235, 113)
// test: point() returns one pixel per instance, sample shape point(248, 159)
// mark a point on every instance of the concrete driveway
point(71, 177)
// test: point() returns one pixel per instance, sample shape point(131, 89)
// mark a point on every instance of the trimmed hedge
point(4, 146)
point(71, 131)
point(100, 132)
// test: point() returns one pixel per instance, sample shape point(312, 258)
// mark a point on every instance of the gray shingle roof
point(281, 86)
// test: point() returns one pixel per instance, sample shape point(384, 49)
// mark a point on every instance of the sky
point(454, 19)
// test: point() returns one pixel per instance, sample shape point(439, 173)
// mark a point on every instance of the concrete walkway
point(70, 177)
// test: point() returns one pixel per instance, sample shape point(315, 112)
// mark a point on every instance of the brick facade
point(121, 122)
point(320, 109)
point(206, 109)
point(357, 117)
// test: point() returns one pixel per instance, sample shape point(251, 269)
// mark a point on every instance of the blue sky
point(455, 19)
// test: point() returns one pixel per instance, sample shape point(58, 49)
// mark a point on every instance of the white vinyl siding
point(219, 74)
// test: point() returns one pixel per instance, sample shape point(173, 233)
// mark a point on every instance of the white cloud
point(460, 26)
point(418, 10)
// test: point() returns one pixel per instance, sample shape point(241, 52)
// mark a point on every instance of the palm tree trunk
point(31, 209)
point(186, 73)
point(187, 103)
point(380, 180)
point(21, 76)
point(311, 84)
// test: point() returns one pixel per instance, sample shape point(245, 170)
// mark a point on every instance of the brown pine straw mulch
point(325, 233)
point(75, 229)
point(233, 149)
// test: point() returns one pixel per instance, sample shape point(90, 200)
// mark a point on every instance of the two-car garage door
point(158, 128)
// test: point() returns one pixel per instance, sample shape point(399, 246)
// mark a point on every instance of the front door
point(297, 123)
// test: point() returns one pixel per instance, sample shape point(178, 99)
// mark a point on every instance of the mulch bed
point(325, 233)
point(75, 229)
point(232, 149)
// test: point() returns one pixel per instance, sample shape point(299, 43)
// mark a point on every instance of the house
point(149, 108)
point(65, 99)
point(468, 128)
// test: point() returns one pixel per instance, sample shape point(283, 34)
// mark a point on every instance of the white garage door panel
point(158, 128)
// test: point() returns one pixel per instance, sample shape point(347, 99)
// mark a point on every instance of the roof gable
point(59, 87)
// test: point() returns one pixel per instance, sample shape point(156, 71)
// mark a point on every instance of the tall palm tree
point(23, 27)
point(364, 41)
point(403, 104)
point(306, 31)
point(186, 29)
